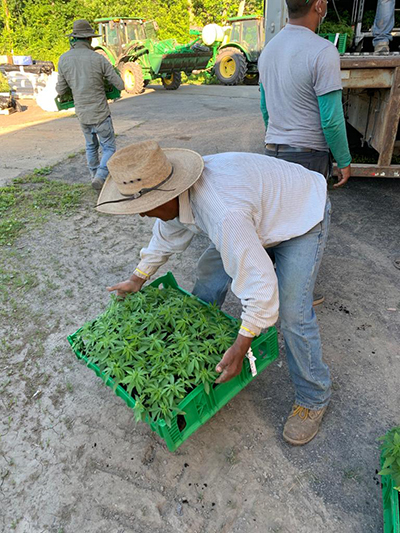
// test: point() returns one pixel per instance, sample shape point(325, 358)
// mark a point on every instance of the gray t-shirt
point(295, 68)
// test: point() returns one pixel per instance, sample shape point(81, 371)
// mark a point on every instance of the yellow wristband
point(249, 330)
point(144, 273)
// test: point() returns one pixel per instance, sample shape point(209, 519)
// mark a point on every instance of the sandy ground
point(72, 458)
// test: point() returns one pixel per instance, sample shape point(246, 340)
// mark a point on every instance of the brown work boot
point(382, 48)
point(302, 425)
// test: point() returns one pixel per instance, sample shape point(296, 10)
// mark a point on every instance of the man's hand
point(133, 284)
point(232, 362)
point(343, 176)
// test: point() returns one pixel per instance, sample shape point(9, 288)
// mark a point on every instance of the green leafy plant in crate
point(390, 460)
point(391, 456)
point(158, 345)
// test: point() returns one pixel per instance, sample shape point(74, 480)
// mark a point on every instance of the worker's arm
point(111, 76)
point(327, 84)
point(62, 86)
point(334, 128)
point(263, 106)
point(253, 281)
point(168, 238)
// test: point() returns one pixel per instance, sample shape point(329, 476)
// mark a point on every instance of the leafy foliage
point(391, 455)
point(338, 27)
point(39, 27)
point(159, 345)
point(4, 87)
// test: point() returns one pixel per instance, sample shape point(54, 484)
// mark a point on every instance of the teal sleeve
point(334, 126)
point(263, 107)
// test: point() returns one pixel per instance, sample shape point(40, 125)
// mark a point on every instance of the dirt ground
point(72, 458)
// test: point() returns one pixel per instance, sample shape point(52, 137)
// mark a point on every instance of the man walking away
point(301, 94)
point(383, 26)
point(83, 71)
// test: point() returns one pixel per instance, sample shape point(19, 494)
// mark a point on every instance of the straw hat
point(143, 176)
point(82, 29)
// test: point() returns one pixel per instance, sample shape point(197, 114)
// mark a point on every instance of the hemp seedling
point(391, 455)
point(158, 345)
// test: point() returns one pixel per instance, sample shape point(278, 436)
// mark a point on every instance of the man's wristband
point(249, 331)
point(141, 274)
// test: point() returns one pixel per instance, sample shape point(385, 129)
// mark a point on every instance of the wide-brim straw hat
point(143, 176)
point(82, 29)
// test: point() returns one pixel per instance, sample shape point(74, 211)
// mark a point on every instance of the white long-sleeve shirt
point(244, 203)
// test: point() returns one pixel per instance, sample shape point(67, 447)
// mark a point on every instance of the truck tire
point(132, 75)
point(172, 81)
point(230, 66)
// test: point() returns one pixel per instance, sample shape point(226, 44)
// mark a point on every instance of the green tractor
point(131, 45)
point(236, 49)
point(237, 46)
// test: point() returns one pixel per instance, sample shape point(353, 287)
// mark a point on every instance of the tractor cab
point(117, 33)
point(248, 33)
point(238, 50)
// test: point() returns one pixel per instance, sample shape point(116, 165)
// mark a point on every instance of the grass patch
point(30, 199)
point(18, 280)
point(57, 197)
point(37, 176)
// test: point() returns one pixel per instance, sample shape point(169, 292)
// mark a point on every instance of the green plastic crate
point(391, 505)
point(112, 94)
point(342, 42)
point(198, 406)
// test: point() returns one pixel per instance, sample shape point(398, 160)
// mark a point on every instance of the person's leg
point(92, 148)
point(106, 135)
point(212, 281)
point(297, 265)
point(383, 24)
point(318, 162)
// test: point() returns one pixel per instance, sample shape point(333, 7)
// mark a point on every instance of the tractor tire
point(251, 79)
point(230, 66)
point(172, 81)
point(102, 53)
point(132, 75)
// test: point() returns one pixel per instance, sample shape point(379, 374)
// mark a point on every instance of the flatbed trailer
point(371, 95)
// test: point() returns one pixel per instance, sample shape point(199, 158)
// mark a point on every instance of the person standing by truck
point(83, 71)
point(383, 26)
point(301, 94)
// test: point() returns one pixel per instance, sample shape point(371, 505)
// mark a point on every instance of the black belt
point(287, 148)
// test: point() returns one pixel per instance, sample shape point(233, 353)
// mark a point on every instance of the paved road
point(35, 138)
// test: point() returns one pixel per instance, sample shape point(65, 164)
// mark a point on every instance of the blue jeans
point(99, 135)
point(297, 263)
point(384, 22)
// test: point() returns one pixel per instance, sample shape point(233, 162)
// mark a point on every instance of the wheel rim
point(129, 79)
point(251, 77)
point(227, 67)
point(168, 80)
